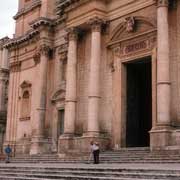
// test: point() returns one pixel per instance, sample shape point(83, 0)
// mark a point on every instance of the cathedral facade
point(103, 70)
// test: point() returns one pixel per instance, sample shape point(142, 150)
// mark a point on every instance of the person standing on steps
point(96, 151)
point(91, 151)
point(8, 151)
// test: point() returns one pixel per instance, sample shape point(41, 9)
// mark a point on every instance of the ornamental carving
point(135, 46)
point(96, 24)
point(142, 25)
point(72, 34)
point(44, 50)
point(25, 84)
point(130, 24)
point(36, 57)
point(62, 51)
point(58, 95)
point(163, 2)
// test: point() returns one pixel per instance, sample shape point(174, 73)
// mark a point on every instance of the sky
point(8, 8)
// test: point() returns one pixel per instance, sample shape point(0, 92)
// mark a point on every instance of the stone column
point(163, 71)
point(38, 131)
point(94, 78)
point(70, 107)
point(161, 134)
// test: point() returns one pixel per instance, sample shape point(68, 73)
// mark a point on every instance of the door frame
point(119, 95)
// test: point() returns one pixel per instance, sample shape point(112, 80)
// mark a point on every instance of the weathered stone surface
point(110, 66)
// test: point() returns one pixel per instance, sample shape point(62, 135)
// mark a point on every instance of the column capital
point(72, 33)
point(96, 24)
point(44, 49)
point(62, 51)
point(162, 3)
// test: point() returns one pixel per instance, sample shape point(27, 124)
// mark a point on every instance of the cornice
point(25, 10)
point(16, 41)
point(42, 21)
point(3, 41)
point(61, 5)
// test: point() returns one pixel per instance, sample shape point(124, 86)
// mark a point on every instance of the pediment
point(25, 84)
point(58, 95)
point(142, 25)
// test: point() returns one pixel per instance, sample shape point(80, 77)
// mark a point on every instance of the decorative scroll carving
point(96, 24)
point(130, 24)
point(15, 66)
point(44, 50)
point(72, 34)
point(163, 2)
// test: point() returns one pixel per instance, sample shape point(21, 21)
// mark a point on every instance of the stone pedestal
point(80, 145)
point(40, 145)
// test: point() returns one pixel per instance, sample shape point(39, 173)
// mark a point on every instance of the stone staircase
point(124, 164)
point(127, 155)
point(85, 172)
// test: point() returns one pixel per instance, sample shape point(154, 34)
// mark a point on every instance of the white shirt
point(95, 147)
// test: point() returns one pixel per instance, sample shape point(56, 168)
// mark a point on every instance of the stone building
point(4, 80)
point(94, 69)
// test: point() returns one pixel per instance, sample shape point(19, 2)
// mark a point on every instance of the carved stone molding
point(58, 95)
point(96, 24)
point(72, 33)
point(135, 47)
point(163, 3)
point(15, 66)
point(30, 35)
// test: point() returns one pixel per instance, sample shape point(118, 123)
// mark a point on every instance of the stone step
point(88, 173)
point(80, 175)
point(70, 178)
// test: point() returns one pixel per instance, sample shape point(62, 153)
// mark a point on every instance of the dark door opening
point(139, 103)
point(61, 122)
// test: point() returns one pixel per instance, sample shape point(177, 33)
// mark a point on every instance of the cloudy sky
point(8, 8)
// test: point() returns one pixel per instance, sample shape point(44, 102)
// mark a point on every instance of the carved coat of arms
point(130, 24)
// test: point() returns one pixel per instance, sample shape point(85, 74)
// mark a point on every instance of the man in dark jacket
point(8, 153)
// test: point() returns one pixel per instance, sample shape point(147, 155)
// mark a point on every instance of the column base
point(160, 137)
point(92, 134)
point(39, 145)
point(70, 145)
